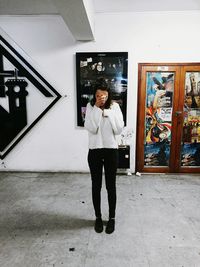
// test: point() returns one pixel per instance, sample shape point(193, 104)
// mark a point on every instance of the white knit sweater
point(103, 125)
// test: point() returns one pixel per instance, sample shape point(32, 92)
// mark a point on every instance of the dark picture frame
point(112, 66)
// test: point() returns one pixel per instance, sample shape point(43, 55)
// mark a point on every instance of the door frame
point(177, 116)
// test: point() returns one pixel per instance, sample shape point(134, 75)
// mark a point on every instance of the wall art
point(112, 66)
point(25, 96)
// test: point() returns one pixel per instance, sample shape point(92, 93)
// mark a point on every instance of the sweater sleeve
point(116, 118)
point(92, 118)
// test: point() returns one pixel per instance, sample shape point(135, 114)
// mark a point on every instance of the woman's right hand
point(100, 101)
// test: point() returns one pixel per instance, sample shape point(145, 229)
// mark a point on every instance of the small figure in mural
point(103, 120)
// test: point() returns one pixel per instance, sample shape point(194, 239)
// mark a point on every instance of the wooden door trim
point(178, 68)
point(142, 70)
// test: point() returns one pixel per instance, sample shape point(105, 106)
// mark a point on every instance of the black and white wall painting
point(25, 96)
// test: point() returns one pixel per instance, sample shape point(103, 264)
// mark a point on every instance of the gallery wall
point(55, 143)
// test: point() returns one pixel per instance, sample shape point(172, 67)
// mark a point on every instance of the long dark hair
point(101, 84)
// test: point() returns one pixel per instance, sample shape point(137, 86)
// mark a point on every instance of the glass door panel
point(190, 146)
point(168, 124)
point(158, 118)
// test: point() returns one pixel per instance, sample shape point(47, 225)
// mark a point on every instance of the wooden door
point(188, 147)
point(162, 118)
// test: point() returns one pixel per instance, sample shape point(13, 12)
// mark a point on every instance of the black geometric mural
point(25, 96)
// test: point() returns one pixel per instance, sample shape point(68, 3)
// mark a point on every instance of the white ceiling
point(50, 6)
point(80, 14)
point(145, 5)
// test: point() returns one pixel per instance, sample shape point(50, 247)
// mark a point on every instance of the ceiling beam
point(77, 14)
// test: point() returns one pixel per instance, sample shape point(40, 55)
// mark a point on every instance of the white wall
point(56, 143)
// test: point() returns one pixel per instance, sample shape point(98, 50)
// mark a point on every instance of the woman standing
point(103, 120)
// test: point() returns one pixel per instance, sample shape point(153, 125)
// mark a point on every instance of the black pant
point(97, 158)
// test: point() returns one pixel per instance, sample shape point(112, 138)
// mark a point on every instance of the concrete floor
point(46, 219)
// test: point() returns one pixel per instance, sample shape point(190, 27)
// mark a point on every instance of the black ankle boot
point(98, 226)
point(110, 228)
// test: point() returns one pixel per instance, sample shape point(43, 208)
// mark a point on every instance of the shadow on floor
point(41, 221)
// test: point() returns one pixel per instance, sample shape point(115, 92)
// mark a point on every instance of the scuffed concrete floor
point(46, 219)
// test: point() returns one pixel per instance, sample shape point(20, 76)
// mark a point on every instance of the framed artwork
point(113, 67)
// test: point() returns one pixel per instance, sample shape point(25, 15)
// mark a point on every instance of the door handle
point(177, 113)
